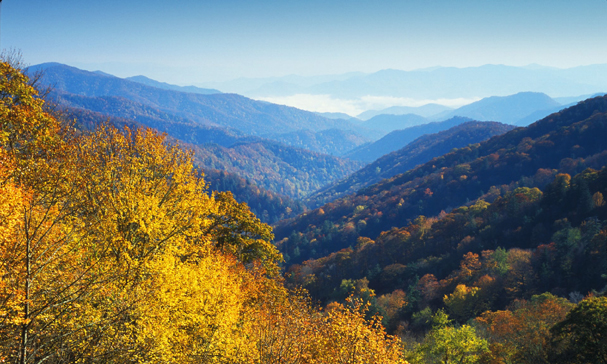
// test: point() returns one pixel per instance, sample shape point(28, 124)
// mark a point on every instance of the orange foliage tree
point(522, 334)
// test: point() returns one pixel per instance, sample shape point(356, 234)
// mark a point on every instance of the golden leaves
point(112, 249)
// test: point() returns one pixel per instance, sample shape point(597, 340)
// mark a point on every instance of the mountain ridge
point(506, 109)
point(568, 142)
point(399, 138)
point(230, 110)
point(417, 152)
point(167, 86)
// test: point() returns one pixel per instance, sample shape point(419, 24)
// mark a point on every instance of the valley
point(303, 182)
point(454, 215)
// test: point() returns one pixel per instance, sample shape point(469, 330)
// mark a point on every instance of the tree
point(104, 240)
point(521, 280)
point(582, 336)
point(464, 303)
point(193, 311)
point(283, 328)
point(42, 275)
point(448, 344)
point(521, 334)
point(346, 337)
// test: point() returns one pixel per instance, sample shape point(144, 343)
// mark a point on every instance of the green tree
point(582, 336)
point(448, 344)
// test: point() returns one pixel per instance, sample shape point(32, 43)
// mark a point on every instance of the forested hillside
point(268, 206)
point(399, 139)
point(493, 253)
point(226, 110)
point(417, 152)
point(276, 167)
point(564, 225)
point(112, 251)
point(331, 141)
point(507, 273)
point(567, 142)
point(178, 127)
point(271, 165)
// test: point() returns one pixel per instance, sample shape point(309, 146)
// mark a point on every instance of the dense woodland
point(502, 273)
point(565, 142)
point(398, 139)
point(419, 151)
point(112, 251)
point(116, 248)
point(276, 167)
point(268, 206)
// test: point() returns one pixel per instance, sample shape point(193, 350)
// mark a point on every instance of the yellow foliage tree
point(111, 250)
point(346, 337)
point(194, 311)
point(464, 303)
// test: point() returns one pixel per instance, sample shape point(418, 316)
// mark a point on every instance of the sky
point(195, 41)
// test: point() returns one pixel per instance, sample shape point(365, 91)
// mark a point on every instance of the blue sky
point(189, 41)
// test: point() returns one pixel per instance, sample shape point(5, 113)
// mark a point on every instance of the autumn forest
point(136, 228)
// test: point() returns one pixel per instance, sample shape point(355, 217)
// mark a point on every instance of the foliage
point(347, 337)
point(522, 333)
point(565, 142)
point(402, 159)
point(113, 251)
point(276, 167)
point(448, 344)
point(485, 257)
point(582, 336)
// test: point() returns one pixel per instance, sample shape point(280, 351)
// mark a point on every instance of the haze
point(193, 42)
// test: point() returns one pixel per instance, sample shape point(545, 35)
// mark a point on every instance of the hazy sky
point(193, 41)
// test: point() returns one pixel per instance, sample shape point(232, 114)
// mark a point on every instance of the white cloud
point(317, 103)
point(327, 103)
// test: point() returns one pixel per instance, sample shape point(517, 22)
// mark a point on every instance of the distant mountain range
point(166, 86)
point(505, 109)
point(222, 129)
point(400, 138)
point(426, 111)
point(419, 151)
point(432, 84)
point(565, 142)
point(387, 123)
point(338, 115)
point(226, 110)
point(519, 109)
